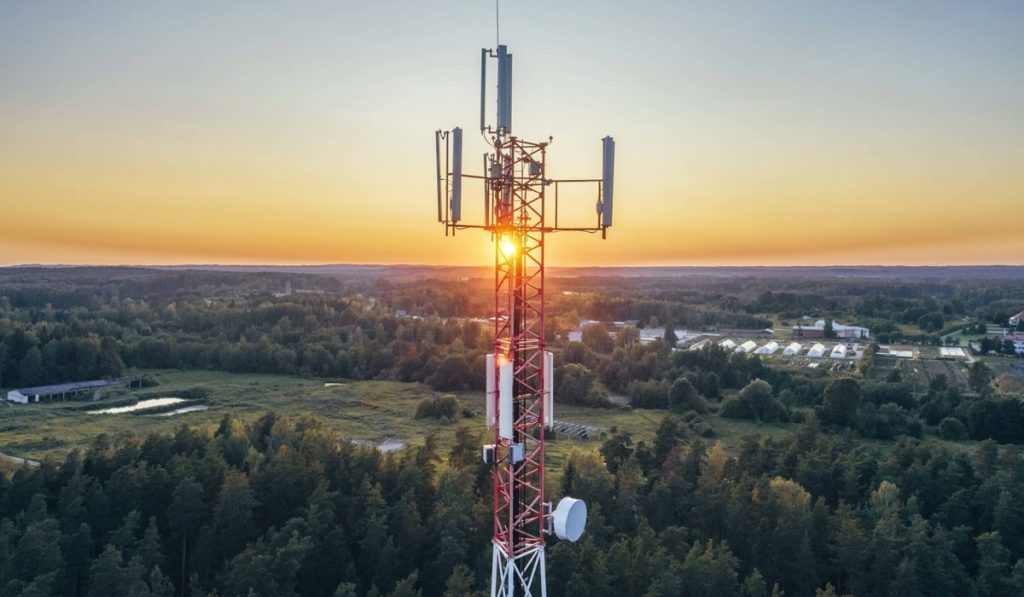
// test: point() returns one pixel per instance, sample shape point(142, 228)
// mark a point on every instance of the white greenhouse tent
point(793, 349)
point(727, 344)
point(817, 351)
point(747, 346)
point(770, 348)
point(839, 352)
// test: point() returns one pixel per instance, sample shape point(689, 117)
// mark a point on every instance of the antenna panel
point(607, 180)
point(505, 398)
point(456, 174)
point(549, 389)
point(489, 396)
point(504, 90)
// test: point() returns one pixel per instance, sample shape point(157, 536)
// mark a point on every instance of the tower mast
point(520, 371)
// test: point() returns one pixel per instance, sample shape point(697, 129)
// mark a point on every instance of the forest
point(885, 486)
point(281, 507)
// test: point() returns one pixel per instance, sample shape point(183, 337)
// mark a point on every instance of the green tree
point(184, 513)
point(978, 375)
point(683, 397)
point(840, 402)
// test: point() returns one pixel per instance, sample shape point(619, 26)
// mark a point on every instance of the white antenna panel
point(505, 399)
point(489, 397)
point(549, 389)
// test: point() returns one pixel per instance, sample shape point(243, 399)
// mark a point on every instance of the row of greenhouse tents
point(816, 351)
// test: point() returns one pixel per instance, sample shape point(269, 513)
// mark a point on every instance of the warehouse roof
point(63, 387)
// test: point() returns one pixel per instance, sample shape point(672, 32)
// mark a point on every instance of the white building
point(793, 349)
point(817, 351)
point(845, 331)
point(727, 344)
point(1017, 340)
point(1016, 319)
point(838, 352)
point(770, 348)
point(747, 346)
point(63, 390)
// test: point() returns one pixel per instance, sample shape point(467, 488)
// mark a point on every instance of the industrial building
point(770, 348)
point(746, 347)
point(58, 391)
point(952, 352)
point(840, 330)
point(817, 351)
point(793, 349)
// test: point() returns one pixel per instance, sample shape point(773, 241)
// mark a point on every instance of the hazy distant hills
point(986, 272)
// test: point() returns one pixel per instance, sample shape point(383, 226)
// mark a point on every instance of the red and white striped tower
point(519, 399)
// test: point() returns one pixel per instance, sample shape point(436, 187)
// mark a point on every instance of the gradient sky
point(760, 133)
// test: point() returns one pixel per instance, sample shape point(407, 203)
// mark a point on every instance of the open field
point(366, 411)
point(370, 411)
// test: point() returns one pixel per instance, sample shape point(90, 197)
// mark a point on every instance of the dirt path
point(19, 460)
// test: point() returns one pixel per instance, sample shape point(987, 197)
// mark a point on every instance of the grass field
point(371, 411)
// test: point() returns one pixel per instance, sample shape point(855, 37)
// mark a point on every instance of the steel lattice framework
point(518, 199)
point(516, 213)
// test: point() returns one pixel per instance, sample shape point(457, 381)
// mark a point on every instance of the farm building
point(800, 331)
point(952, 352)
point(727, 344)
point(1016, 319)
point(840, 330)
point(1018, 342)
point(63, 390)
point(747, 332)
point(770, 348)
point(793, 349)
point(817, 351)
point(747, 346)
point(838, 352)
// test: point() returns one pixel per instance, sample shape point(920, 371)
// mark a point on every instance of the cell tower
point(518, 212)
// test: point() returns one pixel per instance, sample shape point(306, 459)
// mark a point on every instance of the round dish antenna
point(570, 518)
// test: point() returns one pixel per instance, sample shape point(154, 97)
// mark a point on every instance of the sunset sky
point(748, 133)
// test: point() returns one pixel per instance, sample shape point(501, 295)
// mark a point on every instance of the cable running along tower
point(520, 207)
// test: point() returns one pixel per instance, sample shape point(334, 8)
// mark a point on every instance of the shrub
point(648, 394)
point(755, 401)
point(443, 407)
point(683, 397)
point(952, 428)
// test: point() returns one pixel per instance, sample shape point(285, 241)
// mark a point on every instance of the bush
point(444, 407)
point(952, 428)
point(755, 401)
point(683, 397)
point(576, 384)
point(649, 394)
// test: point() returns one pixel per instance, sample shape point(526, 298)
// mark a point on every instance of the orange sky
point(163, 136)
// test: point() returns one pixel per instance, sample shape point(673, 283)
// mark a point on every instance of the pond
point(141, 405)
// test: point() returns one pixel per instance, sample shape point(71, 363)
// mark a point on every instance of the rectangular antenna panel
point(506, 414)
point(549, 388)
point(607, 180)
point(456, 174)
point(504, 90)
point(489, 396)
point(437, 155)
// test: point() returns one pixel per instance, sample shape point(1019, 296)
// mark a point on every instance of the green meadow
point(366, 411)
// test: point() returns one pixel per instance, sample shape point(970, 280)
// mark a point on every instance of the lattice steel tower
point(518, 211)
